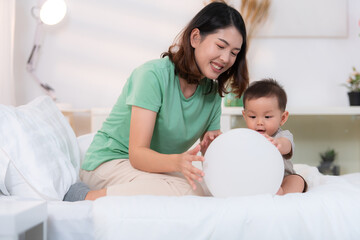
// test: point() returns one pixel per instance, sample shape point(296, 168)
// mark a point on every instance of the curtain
point(7, 24)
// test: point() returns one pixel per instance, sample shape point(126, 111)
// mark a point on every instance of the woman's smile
point(216, 67)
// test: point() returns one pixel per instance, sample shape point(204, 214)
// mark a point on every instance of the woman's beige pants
point(120, 178)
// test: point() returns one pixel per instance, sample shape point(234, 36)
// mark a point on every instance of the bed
point(329, 210)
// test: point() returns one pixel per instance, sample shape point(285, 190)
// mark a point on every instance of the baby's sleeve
point(287, 134)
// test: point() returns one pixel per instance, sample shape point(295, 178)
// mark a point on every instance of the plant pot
point(354, 98)
point(325, 167)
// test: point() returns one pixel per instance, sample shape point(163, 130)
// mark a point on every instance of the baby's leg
point(292, 184)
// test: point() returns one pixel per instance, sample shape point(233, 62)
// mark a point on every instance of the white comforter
point(329, 210)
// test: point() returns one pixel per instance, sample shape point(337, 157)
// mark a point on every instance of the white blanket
point(329, 210)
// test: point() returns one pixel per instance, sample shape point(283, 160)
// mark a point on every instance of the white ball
point(242, 162)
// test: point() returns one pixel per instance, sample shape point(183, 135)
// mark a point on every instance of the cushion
point(39, 154)
point(84, 142)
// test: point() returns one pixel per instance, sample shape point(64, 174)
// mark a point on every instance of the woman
point(165, 106)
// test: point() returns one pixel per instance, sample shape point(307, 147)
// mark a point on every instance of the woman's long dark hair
point(214, 16)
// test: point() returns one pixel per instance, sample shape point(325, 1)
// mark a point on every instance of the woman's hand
point(207, 139)
point(185, 166)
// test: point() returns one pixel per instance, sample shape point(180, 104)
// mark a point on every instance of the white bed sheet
point(70, 220)
point(329, 210)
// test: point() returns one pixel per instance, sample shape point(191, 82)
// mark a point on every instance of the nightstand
point(20, 219)
point(79, 119)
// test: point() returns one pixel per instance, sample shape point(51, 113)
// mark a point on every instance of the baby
point(264, 111)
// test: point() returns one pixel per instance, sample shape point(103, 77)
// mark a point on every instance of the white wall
point(88, 57)
point(91, 53)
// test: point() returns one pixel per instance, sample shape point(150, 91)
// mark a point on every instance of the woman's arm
point(143, 158)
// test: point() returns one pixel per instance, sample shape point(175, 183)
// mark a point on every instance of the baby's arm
point(282, 143)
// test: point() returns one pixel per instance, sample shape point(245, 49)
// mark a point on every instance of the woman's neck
point(187, 89)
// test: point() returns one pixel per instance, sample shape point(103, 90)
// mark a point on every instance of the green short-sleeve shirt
point(179, 122)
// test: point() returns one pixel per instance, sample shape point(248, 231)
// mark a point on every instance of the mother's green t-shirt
point(179, 122)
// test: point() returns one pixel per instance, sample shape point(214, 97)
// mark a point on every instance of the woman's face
point(216, 52)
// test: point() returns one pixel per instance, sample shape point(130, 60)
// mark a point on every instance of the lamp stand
point(34, 55)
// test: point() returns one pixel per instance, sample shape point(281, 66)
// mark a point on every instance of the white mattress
point(330, 201)
point(70, 220)
point(329, 210)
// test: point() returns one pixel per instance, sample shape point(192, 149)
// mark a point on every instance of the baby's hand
point(274, 141)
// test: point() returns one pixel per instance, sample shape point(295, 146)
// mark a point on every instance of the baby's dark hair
point(266, 88)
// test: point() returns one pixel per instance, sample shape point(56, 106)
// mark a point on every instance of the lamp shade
point(52, 11)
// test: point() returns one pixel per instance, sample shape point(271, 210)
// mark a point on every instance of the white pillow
point(84, 142)
point(39, 155)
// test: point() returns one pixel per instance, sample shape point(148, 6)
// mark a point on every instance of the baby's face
point(264, 115)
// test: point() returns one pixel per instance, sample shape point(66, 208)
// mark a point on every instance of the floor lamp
point(50, 12)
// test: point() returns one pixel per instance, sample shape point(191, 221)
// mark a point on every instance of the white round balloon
point(242, 162)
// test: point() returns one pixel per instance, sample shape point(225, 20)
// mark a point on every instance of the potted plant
point(328, 156)
point(353, 85)
point(327, 159)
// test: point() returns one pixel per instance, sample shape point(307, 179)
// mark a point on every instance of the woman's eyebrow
point(224, 41)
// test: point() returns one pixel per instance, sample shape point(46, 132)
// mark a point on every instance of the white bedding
point(70, 220)
point(329, 210)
